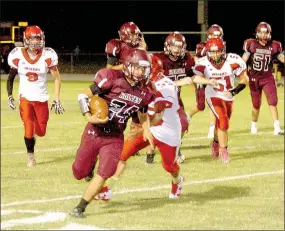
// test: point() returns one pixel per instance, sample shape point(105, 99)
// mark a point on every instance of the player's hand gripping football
point(95, 119)
point(11, 102)
point(58, 108)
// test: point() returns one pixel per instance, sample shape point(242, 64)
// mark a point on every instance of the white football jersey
point(33, 73)
point(169, 131)
point(233, 66)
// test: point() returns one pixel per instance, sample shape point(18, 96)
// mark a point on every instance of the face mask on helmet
point(216, 51)
point(263, 32)
point(137, 66)
point(130, 34)
point(34, 38)
point(215, 31)
point(175, 46)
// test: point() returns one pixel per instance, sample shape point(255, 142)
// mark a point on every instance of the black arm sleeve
point(112, 60)
point(10, 81)
point(97, 90)
point(238, 89)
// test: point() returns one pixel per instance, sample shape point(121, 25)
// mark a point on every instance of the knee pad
point(201, 106)
point(224, 123)
point(77, 173)
point(171, 168)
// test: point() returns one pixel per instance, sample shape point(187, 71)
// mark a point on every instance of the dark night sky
point(91, 24)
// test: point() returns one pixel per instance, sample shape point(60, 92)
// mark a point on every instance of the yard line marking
point(46, 217)
point(64, 148)
point(124, 191)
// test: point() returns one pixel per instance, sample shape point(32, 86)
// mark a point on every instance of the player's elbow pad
point(83, 103)
point(237, 89)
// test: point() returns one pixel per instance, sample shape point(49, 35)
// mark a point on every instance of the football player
point(222, 67)
point(126, 92)
point(32, 63)
point(214, 31)
point(177, 64)
point(165, 128)
point(259, 54)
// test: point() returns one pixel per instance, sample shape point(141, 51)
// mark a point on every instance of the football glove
point(11, 102)
point(58, 108)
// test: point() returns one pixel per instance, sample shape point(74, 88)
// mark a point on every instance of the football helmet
point(130, 34)
point(175, 45)
point(263, 32)
point(157, 68)
point(215, 31)
point(34, 38)
point(137, 66)
point(216, 50)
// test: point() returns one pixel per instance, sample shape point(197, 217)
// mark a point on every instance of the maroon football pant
point(200, 98)
point(108, 148)
point(183, 118)
point(267, 84)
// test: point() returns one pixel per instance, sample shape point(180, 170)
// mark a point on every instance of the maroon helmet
point(215, 31)
point(130, 34)
point(263, 32)
point(34, 38)
point(175, 45)
point(137, 65)
point(216, 50)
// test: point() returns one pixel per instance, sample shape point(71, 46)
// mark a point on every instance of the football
point(99, 104)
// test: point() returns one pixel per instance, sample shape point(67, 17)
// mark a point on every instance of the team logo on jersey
point(263, 51)
point(177, 71)
point(130, 97)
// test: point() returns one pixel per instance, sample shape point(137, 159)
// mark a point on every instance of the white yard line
point(124, 191)
point(184, 139)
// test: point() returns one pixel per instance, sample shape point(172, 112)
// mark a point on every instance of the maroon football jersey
point(122, 98)
point(260, 61)
point(179, 69)
point(201, 49)
point(118, 49)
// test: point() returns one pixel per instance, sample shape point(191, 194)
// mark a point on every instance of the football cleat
point(149, 158)
point(176, 189)
point(31, 160)
point(180, 158)
point(77, 212)
point(215, 149)
point(278, 132)
point(105, 194)
point(225, 156)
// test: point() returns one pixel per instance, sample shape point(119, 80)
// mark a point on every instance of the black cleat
point(90, 176)
point(77, 212)
point(149, 158)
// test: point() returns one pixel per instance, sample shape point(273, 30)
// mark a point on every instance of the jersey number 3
point(32, 76)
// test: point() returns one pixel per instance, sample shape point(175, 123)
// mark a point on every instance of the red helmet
point(130, 33)
point(175, 45)
point(215, 31)
point(157, 68)
point(263, 32)
point(216, 50)
point(32, 32)
point(137, 66)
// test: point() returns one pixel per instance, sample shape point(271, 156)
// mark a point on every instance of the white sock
point(253, 124)
point(276, 124)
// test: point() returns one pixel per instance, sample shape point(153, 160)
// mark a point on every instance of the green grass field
point(247, 194)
